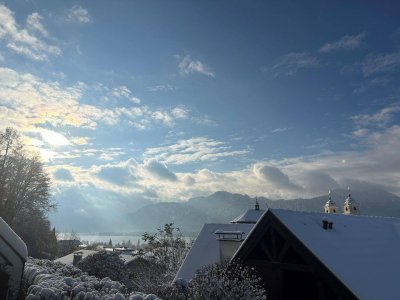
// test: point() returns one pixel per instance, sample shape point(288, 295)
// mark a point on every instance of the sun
point(54, 138)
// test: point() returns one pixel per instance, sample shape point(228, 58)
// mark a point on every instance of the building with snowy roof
point(218, 242)
point(75, 257)
point(13, 255)
point(251, 216)
point(303, 255)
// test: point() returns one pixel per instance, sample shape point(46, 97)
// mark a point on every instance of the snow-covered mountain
point(222, 207)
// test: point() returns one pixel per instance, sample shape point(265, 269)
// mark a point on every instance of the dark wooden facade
point(287, 267)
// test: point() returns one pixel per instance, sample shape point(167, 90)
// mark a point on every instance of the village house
point(13, 255)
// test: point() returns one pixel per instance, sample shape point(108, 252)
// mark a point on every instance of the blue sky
point(133, 102)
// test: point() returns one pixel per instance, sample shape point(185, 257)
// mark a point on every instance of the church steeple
point(257, 206)
point(330, 206)
point(351, 206)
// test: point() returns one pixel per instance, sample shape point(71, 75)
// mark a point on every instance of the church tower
point(330, 206)
point(351, 206)
point(257, 206)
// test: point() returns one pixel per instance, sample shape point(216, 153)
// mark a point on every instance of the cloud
point(205, 120)
point(27, 100)
point(199, 149)
point(63, 174)
point(374, 163)
point(179, 113)
point(274, 176)
point(187, 65)
point(80, 140)
point(280, 129)
point(162, 88)
point(375, 64)
point(160, 170)
point(347, 42)
point(318, 182)
point(124, 92)
point(53, 138)
point(163, 117)
point(143, 117)
point(23, 40)
point(34, 23)
point(120, 174)
point(78, 14)
point(380, 118)
point(291, 63)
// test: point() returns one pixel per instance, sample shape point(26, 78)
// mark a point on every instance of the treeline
point(25, 195)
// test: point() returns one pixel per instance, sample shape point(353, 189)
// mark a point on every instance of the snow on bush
point(228, 281)
point(44, 279)
point(103, 264)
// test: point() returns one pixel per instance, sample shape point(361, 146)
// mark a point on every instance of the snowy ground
point(44, 279)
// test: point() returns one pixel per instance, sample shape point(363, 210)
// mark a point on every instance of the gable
point(287, 265)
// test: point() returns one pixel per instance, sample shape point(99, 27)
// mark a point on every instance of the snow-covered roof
point(205, 249)
point(127, 258)
point(68, 259)
point(13, 239)
point(363, 252)
point(250, 216)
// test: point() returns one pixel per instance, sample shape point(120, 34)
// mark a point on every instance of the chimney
point(77, 258)
point(327, 224)
point(229, 243)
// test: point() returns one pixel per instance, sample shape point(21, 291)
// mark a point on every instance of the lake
point(115, 238)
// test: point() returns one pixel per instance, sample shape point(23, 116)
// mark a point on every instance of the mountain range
point(222, 207)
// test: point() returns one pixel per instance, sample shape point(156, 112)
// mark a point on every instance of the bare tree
point(24, 185)
point(168, 248)
point(24, 195)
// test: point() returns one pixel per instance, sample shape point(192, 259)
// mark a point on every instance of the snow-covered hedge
point(44, 279)
point(102, 264)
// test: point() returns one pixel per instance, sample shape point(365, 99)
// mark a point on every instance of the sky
point(135, 102)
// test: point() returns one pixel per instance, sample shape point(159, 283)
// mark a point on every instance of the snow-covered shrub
point(146, 274)
point(172, 291)
point(226, 281)
point(103, 264)
point(44, 279)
